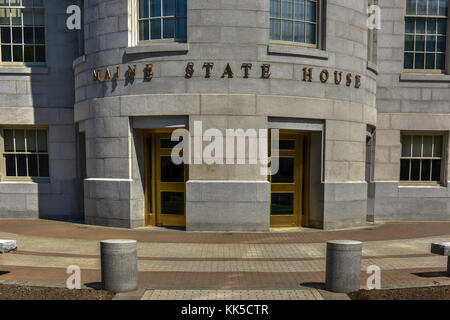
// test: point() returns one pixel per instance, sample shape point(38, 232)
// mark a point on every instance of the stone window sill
point(78, 61)
point(419, 77)
point(23, 69)
point(298, 51)
point(158, 48)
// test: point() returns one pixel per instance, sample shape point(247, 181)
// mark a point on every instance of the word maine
point(207, 70)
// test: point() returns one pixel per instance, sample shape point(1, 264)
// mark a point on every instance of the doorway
point(165, 183)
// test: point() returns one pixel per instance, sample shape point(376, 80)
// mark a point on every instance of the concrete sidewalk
point(177, 263)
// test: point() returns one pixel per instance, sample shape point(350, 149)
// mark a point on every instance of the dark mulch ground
point(16, 292)
point(426, 293)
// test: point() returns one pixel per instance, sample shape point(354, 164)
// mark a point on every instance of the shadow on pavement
point(433, 274)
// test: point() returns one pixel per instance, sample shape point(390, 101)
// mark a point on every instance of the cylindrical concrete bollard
point(119, 265)
point(343, 266)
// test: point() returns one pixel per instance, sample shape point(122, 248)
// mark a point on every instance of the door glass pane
point(171, 172)
point(282, 203)
point(404, 170)
point(172, 203)
point(285, 172)
point(287, 144)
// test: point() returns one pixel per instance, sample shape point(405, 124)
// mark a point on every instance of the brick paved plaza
point(279, 264)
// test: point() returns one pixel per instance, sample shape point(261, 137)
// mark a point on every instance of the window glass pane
point(6, 35)
point(441, 45)
point(420, 26)
point(409, 25)
point(442, 26)
point(31, 140)
point(16, 16)
point(420, 43)
point(406, 146)
point(440, 61)
point(420, 63)
point(144, 30)
point(437, 146)
point(169, 7)
point(299, 6)
point(436, 174)
point(10, 165)
point(40, 53)
point(144, 8)
point(287, 30)
point(404, 169)
point(168, 143)
point(155, 8)
point(39, 17)
point(311, 11)
point(33, 165)
point(287, 144)
point(4, 17)
point(310, 33)
point(172, 203)
point(409, 43)
point(417, 146)
point(181, 8)
point(181, 25)
point(169, 28)
point(443, 5)
point(430, 63)
point(285, 172)
point(409, 58)
point(29, 54)
point(432, 7)
point(286, 9)
point(275, 29)
point(282, 203)
point(426, 170)
point(18, 53)
point(6, 53)
point(39, 34)
point(155, 28)
point(431, 43)
point(275, 8)
point(28, 36)
point(411, 6)
point(8, 138)
point(427, 146)
point(21, 165)
point(27, 17)
point(42, 140)
point(171, 172)
point(20, 140)
point(422, 7)
point(431, 26)
point(43, 165)
point(299, 35)
point(17, 35)
point(415, 170)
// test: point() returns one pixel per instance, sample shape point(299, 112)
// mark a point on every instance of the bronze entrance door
point(287, 185)
point(166, 183)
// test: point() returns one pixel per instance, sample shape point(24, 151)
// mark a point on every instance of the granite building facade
point(362, 114)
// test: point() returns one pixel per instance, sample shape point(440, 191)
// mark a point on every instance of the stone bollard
point(119, 265)
point(343, 266)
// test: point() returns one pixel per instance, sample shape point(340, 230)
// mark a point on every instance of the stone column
point(119, 265)
point(343, 266)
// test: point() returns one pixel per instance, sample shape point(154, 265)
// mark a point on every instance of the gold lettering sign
point(324, 74)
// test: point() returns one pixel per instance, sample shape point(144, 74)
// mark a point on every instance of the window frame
point(136, 23)
point(320, 4)
point(3, 175)
point(445, 71)
point(443, 159)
